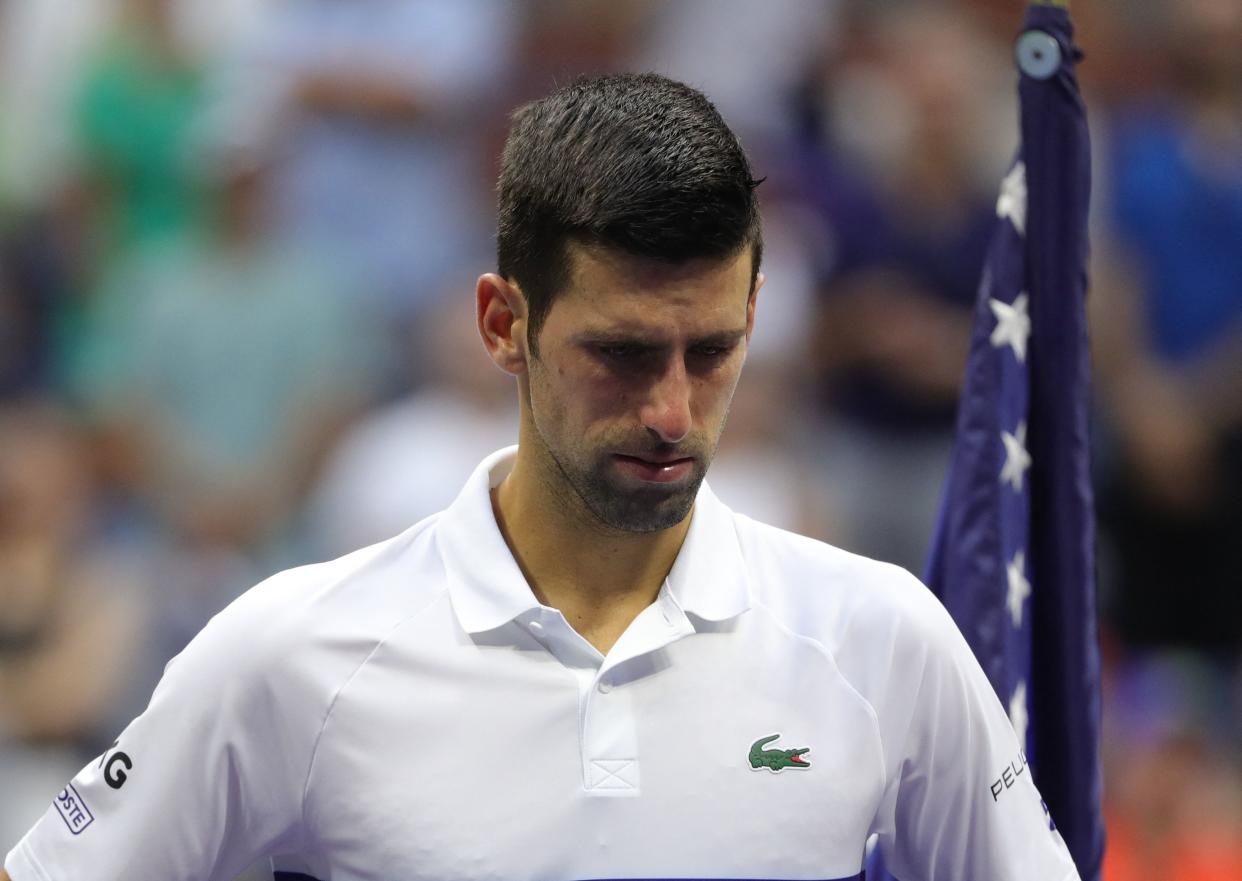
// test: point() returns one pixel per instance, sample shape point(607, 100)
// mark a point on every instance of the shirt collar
point(487, 588)
point(708, 578)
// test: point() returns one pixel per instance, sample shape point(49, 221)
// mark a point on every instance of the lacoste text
point(73, 810)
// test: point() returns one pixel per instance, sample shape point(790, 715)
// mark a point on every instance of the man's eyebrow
point(635, 337)
point(722, 338)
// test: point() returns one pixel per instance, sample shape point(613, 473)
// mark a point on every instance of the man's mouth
point(654, 468)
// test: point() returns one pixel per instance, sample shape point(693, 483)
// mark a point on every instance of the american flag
point(1013, 558)
point(1013, 554)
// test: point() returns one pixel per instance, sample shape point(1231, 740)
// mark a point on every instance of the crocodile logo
point(776, 759)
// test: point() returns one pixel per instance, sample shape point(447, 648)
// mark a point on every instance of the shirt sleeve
point(208, 779)
point(960, 801)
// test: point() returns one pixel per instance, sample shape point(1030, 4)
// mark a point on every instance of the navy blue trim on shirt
point(298, 876)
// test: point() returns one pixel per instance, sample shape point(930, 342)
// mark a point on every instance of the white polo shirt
point(410, 711)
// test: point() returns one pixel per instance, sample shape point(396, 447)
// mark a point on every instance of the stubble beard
point(629, 509)
point(616, 505)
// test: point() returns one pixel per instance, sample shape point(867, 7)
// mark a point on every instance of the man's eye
point(619, 351)
point(712, 351)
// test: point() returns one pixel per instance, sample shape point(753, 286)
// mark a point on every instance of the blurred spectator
point(897, 170)
point(136, 114)
point(224, 365)
point(1168, 328)
point(376, 104)
point(71, 613)
point(134, 184)
point(409, 459)
point(1174, 793)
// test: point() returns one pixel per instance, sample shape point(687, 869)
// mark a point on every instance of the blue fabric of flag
point(1012, 557)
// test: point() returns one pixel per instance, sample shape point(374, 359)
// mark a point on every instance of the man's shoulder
point(881, 626)
point(832, 595)
point(320, 620)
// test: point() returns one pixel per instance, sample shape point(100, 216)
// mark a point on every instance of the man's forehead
point(591, 264)
point(605, 286)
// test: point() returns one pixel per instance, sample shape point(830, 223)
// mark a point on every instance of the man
point(587, 666)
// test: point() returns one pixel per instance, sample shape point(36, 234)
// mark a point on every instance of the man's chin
point(650, 507)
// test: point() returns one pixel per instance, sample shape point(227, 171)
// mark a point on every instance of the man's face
point(636, 368)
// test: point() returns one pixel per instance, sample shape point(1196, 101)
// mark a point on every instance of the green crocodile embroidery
point(776, 759)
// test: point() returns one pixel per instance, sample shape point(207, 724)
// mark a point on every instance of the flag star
point(1017, 459)
point(1017, 712)
point(1013, 325)
point(1012, 200)
point(1019, 587)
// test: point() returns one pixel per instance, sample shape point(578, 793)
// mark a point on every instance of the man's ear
point(500, 310)
point(750, 305)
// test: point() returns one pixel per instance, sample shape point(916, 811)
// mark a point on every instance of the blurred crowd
point(238, 245)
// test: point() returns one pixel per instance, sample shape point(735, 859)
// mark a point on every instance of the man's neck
point(599, 578)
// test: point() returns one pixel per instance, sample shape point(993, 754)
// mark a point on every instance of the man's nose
point(666, 413)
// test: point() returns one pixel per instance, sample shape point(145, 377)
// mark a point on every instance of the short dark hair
point(633, 162)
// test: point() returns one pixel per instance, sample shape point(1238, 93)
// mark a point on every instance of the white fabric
point(410, 711)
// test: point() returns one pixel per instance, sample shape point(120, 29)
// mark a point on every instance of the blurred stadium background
point(238, 243)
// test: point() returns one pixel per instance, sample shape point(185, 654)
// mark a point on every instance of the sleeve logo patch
point(73, 810)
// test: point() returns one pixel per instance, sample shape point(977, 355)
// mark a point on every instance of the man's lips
point(656, 469)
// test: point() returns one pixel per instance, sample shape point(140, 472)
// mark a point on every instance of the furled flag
point(1013, 558)
point(1013, 554)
